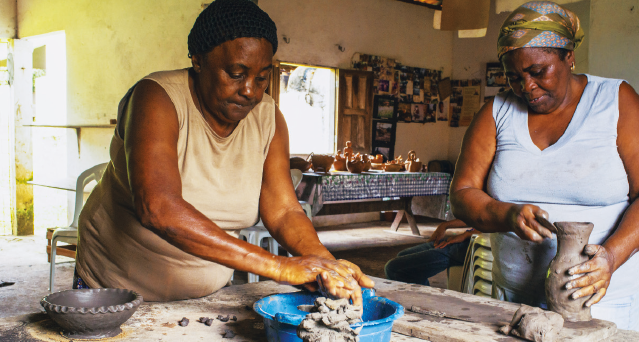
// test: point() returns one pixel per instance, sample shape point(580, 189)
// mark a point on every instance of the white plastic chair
point(70, 234)
point(254, 235)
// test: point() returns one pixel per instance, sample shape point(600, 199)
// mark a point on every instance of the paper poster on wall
point(470, 104)
point(463, 103)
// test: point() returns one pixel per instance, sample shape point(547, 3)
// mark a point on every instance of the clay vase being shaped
point(572, 237)
point(321, 162)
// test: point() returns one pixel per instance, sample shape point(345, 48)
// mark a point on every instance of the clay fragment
point(183, 322)
point(234, 319)
point(203, 319)
point(223, 319)
point(209, 322)
point(534, 324)
point(306, 308)
point(228, 333)
point(329, 321)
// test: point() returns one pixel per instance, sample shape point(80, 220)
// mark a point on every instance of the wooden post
point(22, 91)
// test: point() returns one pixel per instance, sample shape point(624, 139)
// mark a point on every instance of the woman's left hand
point(596, 274)
point(453, 239)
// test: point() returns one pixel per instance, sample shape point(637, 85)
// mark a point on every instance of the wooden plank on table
point(489, 315)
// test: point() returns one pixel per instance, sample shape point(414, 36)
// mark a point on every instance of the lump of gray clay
point(329, 321)
point(184, 322)
point(534, 324)
point(228, 334)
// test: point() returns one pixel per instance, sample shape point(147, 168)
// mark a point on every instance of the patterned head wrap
point(225, 20)
point(540, 24)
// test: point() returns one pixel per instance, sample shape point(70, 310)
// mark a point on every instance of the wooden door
point(355, 109)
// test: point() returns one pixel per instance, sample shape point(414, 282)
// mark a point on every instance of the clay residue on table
point(534, 324)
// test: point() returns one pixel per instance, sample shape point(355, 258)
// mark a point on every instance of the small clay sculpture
point(183, 322)
point(340, 162)
point(321, 162)
point(228, 333)
point(209, 322)
point(412, 162)
point(348, 148)
point(300, 164)
point(572, 237)
point(223, 319)
point(355, 164)
point(329, 321)
point(534, 324)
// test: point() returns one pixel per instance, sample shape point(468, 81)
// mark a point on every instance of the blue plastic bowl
point(281, 316)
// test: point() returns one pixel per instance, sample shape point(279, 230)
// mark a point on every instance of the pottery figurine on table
point(412, 163)
point(340, 162)
point(300, 164)
point(377, 159)
point(367, 162)
point(355, 164)
point(395, 165)
point(348, 148)
point(321, 162)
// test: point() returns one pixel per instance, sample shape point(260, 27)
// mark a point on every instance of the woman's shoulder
point(169, 76)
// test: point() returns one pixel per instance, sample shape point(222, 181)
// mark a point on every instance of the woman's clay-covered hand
point(333, 278)
point(522, 219)
point(596, 274)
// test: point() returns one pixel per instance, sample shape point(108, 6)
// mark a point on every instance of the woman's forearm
point(624, 242)
point(480, 211)
point(183, 226)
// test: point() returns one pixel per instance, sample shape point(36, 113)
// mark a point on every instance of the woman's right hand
point(331, 277)
point(523, 221)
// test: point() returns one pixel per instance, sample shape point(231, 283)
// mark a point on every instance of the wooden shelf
point(78, 129)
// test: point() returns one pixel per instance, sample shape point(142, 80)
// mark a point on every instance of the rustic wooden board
point(489, 315)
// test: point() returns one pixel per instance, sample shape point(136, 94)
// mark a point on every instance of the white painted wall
point(470, 56)
point(7, 18)
point(614, 41)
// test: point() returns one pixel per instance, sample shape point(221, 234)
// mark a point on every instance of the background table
point(344, 193)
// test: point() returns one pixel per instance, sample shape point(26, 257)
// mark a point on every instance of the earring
point(572, 67)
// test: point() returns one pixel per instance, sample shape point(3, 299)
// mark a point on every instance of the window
point(307, 100)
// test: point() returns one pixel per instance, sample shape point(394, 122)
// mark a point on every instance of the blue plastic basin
point(281, 316)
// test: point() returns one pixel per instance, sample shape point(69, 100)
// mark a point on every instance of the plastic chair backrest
point(296, 175)
point(94, 173)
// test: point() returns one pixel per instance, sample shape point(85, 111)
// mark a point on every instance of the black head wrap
point(225, 20)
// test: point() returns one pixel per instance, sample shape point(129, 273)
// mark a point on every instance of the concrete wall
point(7, 18)
point(614, 41)
point(470, 56)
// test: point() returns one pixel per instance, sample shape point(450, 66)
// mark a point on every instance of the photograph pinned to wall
point(383, 69)
point(383, 86)
point(442, 110)
point(418, 112)
point(387, 152)
point(495, 76)
point(403, 112)
point(384, 107)
point(431, 112)
point(383, 133)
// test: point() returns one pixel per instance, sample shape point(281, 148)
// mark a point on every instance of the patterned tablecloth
point(343, 186)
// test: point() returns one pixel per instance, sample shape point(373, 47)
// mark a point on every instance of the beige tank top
point(221, 177)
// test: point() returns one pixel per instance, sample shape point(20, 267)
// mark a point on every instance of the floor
point(24, 260)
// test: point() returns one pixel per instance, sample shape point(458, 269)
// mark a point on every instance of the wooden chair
point(70, 234)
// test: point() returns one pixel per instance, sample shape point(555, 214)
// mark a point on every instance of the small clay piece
point(228, 333)
point(224, 319)
point(209, 322)
point(378, 159)
point(572, 237)
point(202, 319)
point(412, 163)
point(355, 164)
point(367, 162)
point(348, 148)
point(340, 162)
point(183, 322)
point(534, 324)
point(321, 162)
point(394, 165)
point(234, 319)
point(300, 164)
point(329, 321)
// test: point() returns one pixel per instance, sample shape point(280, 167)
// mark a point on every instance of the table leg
point(398, 220)
point(412, 223)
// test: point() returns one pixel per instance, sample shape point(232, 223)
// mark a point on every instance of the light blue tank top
point(580, 178)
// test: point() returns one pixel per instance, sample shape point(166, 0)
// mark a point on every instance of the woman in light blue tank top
point(559, 146)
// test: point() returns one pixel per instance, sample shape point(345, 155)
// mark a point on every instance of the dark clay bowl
point(91, 314)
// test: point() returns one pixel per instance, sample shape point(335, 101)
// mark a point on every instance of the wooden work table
point(156, 321)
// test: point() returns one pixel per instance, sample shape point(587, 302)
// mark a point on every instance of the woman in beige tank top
point(198, 154)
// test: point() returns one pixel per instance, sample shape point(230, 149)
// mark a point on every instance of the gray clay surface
point(329, 321)
point(572, 237)
point(534, 324)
